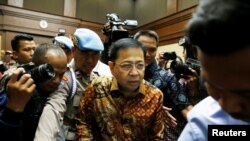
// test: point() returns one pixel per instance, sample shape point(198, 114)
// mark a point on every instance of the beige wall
point(184, 4)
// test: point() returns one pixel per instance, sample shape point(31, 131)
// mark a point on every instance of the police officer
point(86, 66)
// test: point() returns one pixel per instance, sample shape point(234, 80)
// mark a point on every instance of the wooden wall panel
point(170, 28)
point(14, 20)
point(171, 6)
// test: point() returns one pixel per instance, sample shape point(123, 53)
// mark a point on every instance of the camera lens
point(170, 55)
point(42, 73)
point(179, 68)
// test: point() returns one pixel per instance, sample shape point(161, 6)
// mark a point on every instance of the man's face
point(85, 61)
point(59, 64)
point(25, 52)
point(128, 69)
point(7, 58)
point(227, 81)
point(151, 44)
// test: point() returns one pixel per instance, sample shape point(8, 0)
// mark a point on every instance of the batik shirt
point(106, 115)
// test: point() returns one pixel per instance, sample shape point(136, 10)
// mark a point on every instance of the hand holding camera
point(21, 83)
point(19, 90)
point(39, 74)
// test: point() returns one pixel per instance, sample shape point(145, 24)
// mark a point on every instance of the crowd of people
point(79, 88)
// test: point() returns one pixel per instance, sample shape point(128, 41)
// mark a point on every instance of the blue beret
point(88, 40)
point(63, 42)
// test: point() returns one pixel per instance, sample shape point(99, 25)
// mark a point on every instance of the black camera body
point(116, 31)
point(180, 68)
point(169, 55)
point(40, 73)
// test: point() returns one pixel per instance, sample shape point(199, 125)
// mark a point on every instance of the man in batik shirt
point(124, 107)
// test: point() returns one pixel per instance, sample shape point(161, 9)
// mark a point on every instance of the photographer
point(165, 59)
point(114, 30)
point(191, 71)
point(26, 92)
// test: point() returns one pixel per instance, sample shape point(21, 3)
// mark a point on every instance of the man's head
point(127, 63)
point(150, 40)
point(66, 44)
point(87, 48)
point(55, 56)
point(23, 47)
point(219, 29)
point(7, 56)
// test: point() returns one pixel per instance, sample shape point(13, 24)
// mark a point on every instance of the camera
point(40, 73)
point(179, 68)
point(117, 32)
point(169, 55)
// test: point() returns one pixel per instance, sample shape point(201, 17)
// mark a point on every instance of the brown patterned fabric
point(106, 115)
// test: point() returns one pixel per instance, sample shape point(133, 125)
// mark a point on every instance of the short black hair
point(220, 27)
point(149, 33)
point(15, 41)
point(39, 54)
point(124, 43)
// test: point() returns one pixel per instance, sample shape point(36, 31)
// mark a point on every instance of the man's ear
point(111, 65)
point(14, 53)
point(73, 50)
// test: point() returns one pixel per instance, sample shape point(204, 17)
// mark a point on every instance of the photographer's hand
point(169, 119)
point(107, 27)
point(19, 90)
point(161, 61)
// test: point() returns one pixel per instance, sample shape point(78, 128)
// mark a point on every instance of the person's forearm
point(185, 111)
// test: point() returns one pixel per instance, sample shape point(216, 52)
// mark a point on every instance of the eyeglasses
point(129, 66)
